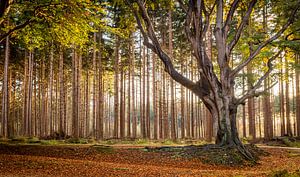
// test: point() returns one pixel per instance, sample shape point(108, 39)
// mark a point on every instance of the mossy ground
point(212, 154)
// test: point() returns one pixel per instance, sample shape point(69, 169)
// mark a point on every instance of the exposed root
point(231, 155)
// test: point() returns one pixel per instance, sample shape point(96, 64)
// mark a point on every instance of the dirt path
point(83, 161)
point(278, 147)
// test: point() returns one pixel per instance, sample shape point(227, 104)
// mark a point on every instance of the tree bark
point(116, 89)
point(100, 119)
point(297, 94)
point(62, 110)
point(5, 96)
point(50, 89)
point(287, 100)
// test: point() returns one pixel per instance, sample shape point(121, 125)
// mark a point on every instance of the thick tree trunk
point(227, 135)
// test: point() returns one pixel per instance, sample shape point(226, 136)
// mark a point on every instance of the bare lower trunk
point(227, 135)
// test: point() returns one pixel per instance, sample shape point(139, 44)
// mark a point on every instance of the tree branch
point(27, 22)
point(241, 26)
point(261, 46)
point(233, 7)
point(252, 92)
point(156, 48)
point(183, 6)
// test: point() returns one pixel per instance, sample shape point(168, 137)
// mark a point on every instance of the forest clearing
point(149, 88)
point(133, 160)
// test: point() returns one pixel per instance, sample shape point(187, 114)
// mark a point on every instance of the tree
point(215, 90)
point(5, 97)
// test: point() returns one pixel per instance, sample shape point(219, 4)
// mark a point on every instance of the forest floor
point(126, 160)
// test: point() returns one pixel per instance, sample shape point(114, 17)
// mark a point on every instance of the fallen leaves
point(16, 160)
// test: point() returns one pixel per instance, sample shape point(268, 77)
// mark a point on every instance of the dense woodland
point(84, 69)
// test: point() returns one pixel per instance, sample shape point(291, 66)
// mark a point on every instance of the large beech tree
point(216, 86)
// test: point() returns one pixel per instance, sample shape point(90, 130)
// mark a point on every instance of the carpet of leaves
point(36, 160)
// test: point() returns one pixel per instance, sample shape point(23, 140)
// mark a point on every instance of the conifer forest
point(148, 86)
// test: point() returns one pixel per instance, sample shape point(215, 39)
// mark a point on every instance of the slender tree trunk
point(43, 100)
point(116, 89)
point(134, 118)
point(122, 111)
point(50, 114)
point(244, 109)
point(251, 105)
point(287, 100)
point(101, 91)
point(173, 127)
point(62, 111)
point(282, 108)
point(129, 109)
point(87, 104)
point(297, 94)
point(94, 98)
point(154, 94)
point(143, 115)
point(75, 98)
point(160, 104)
point(148, 135)
point(5, 96)
point(182, 105)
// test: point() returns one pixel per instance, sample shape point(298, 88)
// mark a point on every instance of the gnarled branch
point(252, 92)
point(268, 41)
point(155, 46)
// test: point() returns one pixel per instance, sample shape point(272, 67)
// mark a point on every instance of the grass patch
point(141, 141)
point(285, 173)
point(76, 141)
point(291, 142)
point(168, 142)
point(33, 140)
point(50, 142)
point(103, 149)
point(18, 140)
